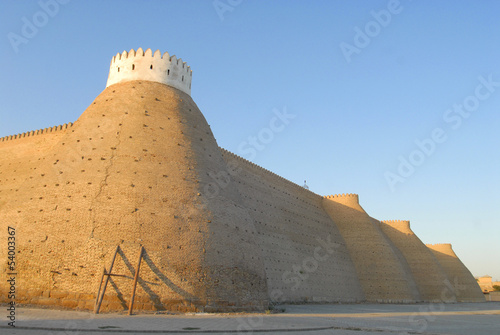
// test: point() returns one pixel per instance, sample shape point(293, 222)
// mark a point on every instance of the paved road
point(349, 319)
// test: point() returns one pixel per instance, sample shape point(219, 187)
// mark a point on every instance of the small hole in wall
point(168, 72)
point(151, 67)
point(133, 66)
point(118, 69)
point(182, 78)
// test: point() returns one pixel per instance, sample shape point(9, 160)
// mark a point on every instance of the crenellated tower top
point(343, 195)
point(347, 199)
point(401, 225)
point(444, 248)
point(146, 65)
point(344, 198)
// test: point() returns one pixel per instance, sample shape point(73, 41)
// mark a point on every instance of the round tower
point(133, 172)
point(146, 65)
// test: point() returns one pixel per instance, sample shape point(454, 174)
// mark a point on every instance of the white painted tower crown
point(144, 65)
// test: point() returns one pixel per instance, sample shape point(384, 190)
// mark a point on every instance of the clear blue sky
point(362, 92)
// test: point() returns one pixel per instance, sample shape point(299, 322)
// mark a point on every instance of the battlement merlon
point(144, 65)
point(36, 132)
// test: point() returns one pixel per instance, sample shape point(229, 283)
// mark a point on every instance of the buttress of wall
point(466, 287)
point(382, 270)
point(305, 256)
point(131, 172)
point(428, 273)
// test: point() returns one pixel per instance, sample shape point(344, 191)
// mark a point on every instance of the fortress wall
point(22, 165)
point(305, 256)
point(382, 270)
point(132, 172)
point(426, 270)
point(75, 192)
point(17, 152)
point(141, 168)
point(466, 287)
point(21, 154)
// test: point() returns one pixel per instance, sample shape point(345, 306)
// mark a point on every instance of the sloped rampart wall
point(382, 270)
point(426, 270)
point(465, 286)
point(305, 256)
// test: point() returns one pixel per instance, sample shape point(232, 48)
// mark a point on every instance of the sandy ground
point(349, 319)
